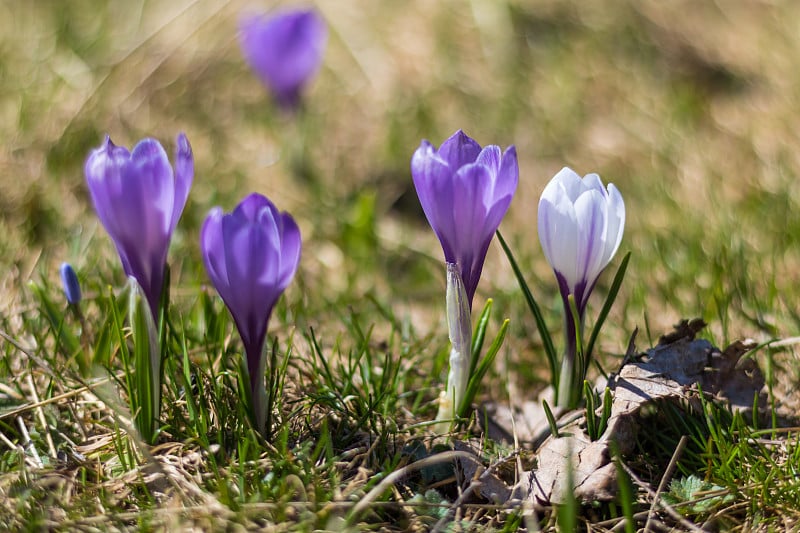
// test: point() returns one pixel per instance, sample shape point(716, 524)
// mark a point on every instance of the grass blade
point(547, 341)
point(479, 336)
point(480, 371)
point(612, 295)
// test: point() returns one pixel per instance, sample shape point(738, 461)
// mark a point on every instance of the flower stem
point(459, 322)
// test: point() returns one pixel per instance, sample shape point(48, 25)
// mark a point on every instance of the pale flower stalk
point(581, 223)
point(459, 322)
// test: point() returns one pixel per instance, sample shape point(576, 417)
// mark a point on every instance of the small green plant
point(566, 371)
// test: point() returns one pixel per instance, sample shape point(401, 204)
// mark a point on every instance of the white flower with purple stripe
point(580, 228)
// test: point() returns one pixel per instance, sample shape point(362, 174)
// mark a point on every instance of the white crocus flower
point(580, 228)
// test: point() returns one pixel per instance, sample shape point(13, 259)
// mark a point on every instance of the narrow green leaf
point(146, 362)
point(606, 412)
point(479, 335)
point(481, 370)
point(612, 295)
point(547, 341)
point(591, 417)
point(551, 420)
point(65, 340)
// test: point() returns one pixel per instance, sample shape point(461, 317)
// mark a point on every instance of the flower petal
point(433, 180)
point(591, 218)
point(459, 150)
point(616, 223)
point(571, 182)
point(184, 175)
point(472, 190)
point(558, 231)
point(212, 250)
point(490, 157)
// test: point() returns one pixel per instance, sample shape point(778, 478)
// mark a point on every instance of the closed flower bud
point(69, 281)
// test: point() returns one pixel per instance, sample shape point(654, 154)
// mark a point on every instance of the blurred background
point(689, 107)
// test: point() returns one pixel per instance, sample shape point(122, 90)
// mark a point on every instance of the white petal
point(592, 219)
point(616, 223)
point(558, 231)
point(593, 182)
point(570, 181)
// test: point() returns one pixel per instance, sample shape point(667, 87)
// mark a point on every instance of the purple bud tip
point(69, 280)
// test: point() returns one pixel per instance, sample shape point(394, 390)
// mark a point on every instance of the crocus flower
point(251, 255)
point(465, 191)
point(139, 198)
point(580, 228)
point(285, 50)
point(69, 281)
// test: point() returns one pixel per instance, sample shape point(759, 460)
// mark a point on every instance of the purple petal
point(459, 150)
point(103, 176)
point(290, 250)
point(251, 206)
point(507, 175)
point(471, 193)
point(490, 157)
point(433, 180)
point(213, 251)
point(184, 175)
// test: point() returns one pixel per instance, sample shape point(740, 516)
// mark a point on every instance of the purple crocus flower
point(139, 199)
point(465, 191)
point(251, 255)
point(285, 50)
point(580, 228)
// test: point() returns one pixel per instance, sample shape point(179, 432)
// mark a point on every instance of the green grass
point(696, 128)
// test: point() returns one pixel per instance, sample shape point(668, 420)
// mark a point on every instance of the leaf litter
point(681, 371)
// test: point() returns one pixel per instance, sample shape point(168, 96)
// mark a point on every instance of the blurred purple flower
point(285, 50)
point(139, 199)
point(251, 255)
point(580, 228)
point(465, 191)
point(69, 281)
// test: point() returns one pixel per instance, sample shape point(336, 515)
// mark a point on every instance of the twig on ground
point(665, 479)
point(666, 507)
point(42, 419)
point(395, 476)
point(28, 444)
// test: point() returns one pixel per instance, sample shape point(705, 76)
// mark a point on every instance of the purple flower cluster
point(252, 253)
